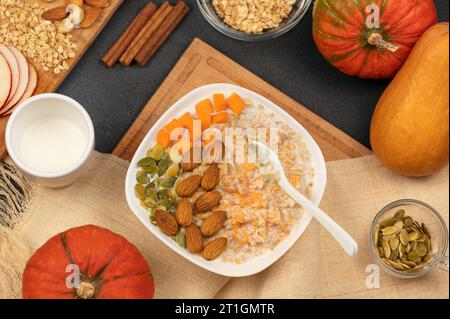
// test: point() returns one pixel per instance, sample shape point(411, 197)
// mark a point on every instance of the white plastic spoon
point(343, 238)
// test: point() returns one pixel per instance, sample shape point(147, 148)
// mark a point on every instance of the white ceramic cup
point(40, 108)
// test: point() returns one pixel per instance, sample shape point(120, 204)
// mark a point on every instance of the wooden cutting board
point(48, 81)
point(201, 64)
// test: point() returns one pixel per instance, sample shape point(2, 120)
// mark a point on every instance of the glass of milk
point(50, 138)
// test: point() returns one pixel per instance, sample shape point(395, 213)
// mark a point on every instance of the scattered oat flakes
point(21, 26)
point(253, 16)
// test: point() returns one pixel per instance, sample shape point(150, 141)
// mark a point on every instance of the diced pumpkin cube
point(188, 122)
point(173, 125)
point(163, 138)
point(220, 113)
point(204, 109)
point(235, 103)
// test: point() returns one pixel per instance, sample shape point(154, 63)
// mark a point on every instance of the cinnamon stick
point(160, 36)
point(130, 33)
point(146, 33)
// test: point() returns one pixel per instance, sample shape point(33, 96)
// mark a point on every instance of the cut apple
point(32, 83)
point(5, 80)
point(23, 80)
point(14, 68)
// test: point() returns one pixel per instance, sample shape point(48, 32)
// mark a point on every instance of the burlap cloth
point(314, 267)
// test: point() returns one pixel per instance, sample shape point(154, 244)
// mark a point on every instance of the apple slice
point(5, 80)
point(14, 67)
point(32, 83)
point(23, 80)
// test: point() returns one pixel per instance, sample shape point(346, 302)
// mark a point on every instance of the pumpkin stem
point(376, 39)
point(86, 290)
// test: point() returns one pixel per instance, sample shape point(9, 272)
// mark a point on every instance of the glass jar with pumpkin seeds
point(409, 238)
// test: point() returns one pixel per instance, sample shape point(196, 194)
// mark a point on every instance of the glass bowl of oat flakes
point(253, 20)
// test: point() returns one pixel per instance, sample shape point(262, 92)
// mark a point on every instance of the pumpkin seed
point(408, 248)
point(413, 236)
point(151, 169)
point(421, 238)
point(394, 255)
point(165, 202)
point(420, 266)
point(141, 177)
point(388, 222)
point(390, 230)
point(408, 222)
point(399, 224)
point(397, 265)
point(386, 249)
point(380, 252)
point(401, 250)
point(149, 202)
point(168, 182)
point(426, 259)
point(410, 264)
point(172, 170)
point(139, 190)
point(163, 165)
point(163, 193)
point(413, 245)
point(413, 256)
point(376, 235)
point(403, 236)
point(180, 238)
point(151, 193)
point(421, 249)
point(157, 152)
point(426, 231)
point(400, 213)
point(427, 243)
point(394, 242)
point(152, 219)
point(388, 238)
point(405, 265)
point(146, 161)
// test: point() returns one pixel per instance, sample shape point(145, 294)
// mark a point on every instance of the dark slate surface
point(114, 97)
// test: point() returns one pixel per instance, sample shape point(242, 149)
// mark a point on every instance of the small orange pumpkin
point(110, 267)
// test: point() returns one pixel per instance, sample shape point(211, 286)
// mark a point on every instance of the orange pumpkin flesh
point(410, 127)
point(110, 267)
point(342, 36)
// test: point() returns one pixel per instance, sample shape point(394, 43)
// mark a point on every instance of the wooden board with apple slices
point(21, 78)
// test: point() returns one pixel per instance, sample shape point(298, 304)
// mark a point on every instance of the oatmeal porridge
point(260, 214)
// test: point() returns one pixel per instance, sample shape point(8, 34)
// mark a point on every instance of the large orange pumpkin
point(410, 127)
point(110, 267)
point(358, 48)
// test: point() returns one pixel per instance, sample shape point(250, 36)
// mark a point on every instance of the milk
point(52, 144)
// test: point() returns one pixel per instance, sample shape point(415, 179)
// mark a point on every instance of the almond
point(55, 14)
point(207, 201)
point(194, 239)
point(213, 223)
point(211, 178)
point(166, 222)
point(189, 167)
point(189, 186)
point(214, 248)
point(184, 212)
point(97, 3)
point(90, 17)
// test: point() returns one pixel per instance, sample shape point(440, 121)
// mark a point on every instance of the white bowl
point(44, 106)
point(187, 104)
